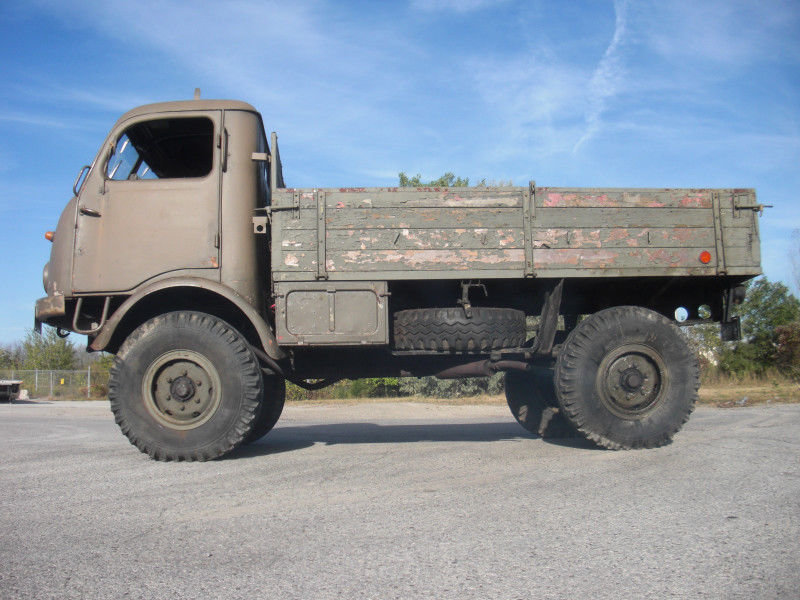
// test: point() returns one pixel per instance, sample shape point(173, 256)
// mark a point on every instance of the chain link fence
point(61, 385)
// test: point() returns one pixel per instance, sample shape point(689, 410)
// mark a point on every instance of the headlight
point(46, 278)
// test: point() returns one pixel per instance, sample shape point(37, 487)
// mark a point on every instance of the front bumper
point(50, 310)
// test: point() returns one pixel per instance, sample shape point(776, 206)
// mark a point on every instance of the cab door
point(152, 205)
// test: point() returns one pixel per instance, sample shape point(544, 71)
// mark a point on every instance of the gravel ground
point(400, 500)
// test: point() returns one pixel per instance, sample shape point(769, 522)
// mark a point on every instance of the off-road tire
point(532, 400)
point(626, 378)
point(449, 329)
point(270, 409)
point(191, 360)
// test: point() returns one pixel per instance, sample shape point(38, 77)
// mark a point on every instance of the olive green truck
point(184, 254)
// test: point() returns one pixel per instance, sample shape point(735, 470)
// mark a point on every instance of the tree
point(446, 180)
point(767, 307)
point(47, 351)
point(787, 351)
point(10, 357)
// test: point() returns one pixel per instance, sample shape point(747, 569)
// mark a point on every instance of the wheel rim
point(181, 389)
point(631, 380)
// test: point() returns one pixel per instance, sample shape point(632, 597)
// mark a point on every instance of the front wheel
point(270, 409)
point(626, 378)
point(185, 386)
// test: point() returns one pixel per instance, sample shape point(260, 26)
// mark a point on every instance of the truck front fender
point(262, 328)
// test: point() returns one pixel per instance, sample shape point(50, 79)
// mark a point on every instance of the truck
point(9, 389)
point(183, 252)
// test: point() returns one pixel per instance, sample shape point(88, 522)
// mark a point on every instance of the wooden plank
point(365, 198)
point(406, 239)
point(742, 256)
point(426, 218)
point(406, 218)
point(622, 198)
point(398, 260)
point(452, 197)
point(623, 217)
point(623, 237)
point(619, 258)
point(478, 238)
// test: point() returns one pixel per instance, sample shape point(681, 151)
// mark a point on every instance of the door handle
point(89, 212)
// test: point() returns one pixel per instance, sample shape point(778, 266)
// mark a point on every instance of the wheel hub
point(181, 389)
point(630, 380)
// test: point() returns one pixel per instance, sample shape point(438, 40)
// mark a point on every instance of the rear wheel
point(626, 378)
point(531, 397)
point(185, 386)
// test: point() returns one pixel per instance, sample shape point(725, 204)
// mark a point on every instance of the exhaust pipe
point(482, 368)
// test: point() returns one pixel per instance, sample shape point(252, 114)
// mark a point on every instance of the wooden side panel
point(607, 232)
point(437, 233)
point(417, 233)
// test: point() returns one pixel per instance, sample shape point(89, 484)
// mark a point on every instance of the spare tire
point(449, 329)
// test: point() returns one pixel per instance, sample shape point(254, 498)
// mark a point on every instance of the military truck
point(183, 252)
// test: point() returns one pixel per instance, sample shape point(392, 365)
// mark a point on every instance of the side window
point(164, 149)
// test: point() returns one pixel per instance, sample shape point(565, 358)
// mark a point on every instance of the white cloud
point(607, 76)
point(720, 33)
point(534, 103)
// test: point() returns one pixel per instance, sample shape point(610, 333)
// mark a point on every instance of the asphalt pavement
point(404, 501)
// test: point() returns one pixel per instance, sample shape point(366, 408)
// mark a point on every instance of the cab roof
point(185, 106)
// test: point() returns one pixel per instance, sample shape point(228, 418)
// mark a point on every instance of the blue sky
point(699, 93)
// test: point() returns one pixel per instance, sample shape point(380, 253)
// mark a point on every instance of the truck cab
point(147, 219)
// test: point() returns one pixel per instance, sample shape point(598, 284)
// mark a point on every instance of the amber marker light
point(49, 235)
point(705, 257)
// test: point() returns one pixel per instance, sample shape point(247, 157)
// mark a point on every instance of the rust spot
point(682, 235)
point(618, 234)
point(548, 238)
point(699, 200)
point(556, 199)
point(214, 262)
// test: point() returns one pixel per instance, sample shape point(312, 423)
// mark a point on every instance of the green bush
point(432, 387)
point(373, 387)
point(787, 351)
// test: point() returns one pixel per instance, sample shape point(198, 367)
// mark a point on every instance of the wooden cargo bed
point(512, 232)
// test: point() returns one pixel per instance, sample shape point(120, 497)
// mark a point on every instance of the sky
point(625, 93)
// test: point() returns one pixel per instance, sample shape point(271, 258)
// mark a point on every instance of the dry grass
point(732, 395)
point(723, 390)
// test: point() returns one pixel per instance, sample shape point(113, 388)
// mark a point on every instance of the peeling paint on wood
point(475, 231)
